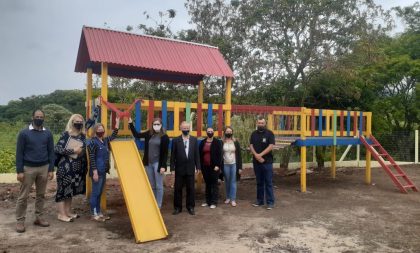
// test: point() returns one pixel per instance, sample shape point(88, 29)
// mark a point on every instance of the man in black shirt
point(261, 143)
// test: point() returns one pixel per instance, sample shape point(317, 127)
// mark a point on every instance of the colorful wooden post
point(176, 119)
point(302, 151)
point(368, 176)
point(228, 100)
point(334, 147)
point(104, 116)
point(210, 115)
point(164, 114)
point(220, 120)
point(188, 112)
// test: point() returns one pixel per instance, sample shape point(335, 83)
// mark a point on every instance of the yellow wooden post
point(176, 119)
point(201, 91)
point(228, 100)
point(270, 122)
point(88, 109)
point(333, 159)
point(104, 116)
point(368, 176)
point(302, 151)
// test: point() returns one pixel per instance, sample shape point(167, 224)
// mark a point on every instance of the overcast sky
point(39, 39)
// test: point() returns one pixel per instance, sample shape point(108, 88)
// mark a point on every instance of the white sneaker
point(227, 201)
point(213, 206)
point(204, 205)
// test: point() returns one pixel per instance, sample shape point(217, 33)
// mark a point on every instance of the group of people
point(212, 157)
point(36, 156)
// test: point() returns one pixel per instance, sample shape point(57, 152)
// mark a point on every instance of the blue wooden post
point(320, 123)
point(210, 115)
point(361, 124)
point(164, 114)
point(171, 121)
point(138, 122)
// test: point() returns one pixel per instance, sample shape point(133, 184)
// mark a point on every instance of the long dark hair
point(152, 131)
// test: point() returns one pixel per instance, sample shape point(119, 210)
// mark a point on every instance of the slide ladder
point(146, 219)
point(394, 171)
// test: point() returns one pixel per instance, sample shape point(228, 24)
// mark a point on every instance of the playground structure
point(111, 53)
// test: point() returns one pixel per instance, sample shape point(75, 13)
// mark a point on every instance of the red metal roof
point(148, 57)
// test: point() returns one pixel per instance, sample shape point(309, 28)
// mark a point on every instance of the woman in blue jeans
point(99, 166)
point(232, 165)
point(156, 143)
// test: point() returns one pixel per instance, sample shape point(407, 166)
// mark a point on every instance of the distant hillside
point(20, 110)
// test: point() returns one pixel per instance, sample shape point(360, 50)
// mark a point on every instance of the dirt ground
point(341, 215)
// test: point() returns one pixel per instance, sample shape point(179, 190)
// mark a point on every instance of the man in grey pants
point(34, 163)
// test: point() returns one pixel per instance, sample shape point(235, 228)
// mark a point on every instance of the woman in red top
point(211, 163)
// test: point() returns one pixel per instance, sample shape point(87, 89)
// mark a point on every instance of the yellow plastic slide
point(144, 213)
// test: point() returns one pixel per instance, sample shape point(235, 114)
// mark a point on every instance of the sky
point(39, 39)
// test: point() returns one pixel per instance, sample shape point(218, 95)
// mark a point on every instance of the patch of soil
point(335, 215)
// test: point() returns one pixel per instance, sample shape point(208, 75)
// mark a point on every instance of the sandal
point(68, 219)
point(97, 218)
point(104, 216)
point(74, 216)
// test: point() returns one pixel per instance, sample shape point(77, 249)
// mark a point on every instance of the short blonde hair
point(71, 129)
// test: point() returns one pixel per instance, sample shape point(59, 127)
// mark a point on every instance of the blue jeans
point(264, 175)
point(95, 197)
point(230, 180)
point(156, 181)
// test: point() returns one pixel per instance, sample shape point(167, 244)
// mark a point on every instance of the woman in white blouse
point(232, 164)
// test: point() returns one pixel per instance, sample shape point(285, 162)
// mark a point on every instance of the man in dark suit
point(185, 161)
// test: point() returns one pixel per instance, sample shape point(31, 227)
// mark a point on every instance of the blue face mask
point(185, 132)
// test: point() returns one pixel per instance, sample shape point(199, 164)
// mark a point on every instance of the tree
point(283, 43)
point(410, 16)
point(56, 117)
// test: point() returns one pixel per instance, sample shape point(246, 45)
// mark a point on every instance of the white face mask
point(157, 128)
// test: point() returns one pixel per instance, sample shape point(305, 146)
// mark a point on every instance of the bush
point(7, 161)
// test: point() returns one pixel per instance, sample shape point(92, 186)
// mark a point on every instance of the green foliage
point(7, 161)
point(57, 117)
point(21, 110)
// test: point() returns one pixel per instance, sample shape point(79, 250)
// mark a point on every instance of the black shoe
point(176, 211)
point(191, 211)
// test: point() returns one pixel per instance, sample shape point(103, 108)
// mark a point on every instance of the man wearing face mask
point(261, 143)
point(185, 161)
point(34, 164)
point(210, 150)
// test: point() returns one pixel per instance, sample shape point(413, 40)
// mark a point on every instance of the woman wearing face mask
point(232, 165)
point(99, 166)
point(156, 143)
point(72, 167)
point(210, 150)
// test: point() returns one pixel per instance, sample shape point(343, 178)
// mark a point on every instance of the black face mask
point(261, 128)
point(185, 132)
point(229, 135)
point(210, 135)
point(78, 126)
point(38, 122)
